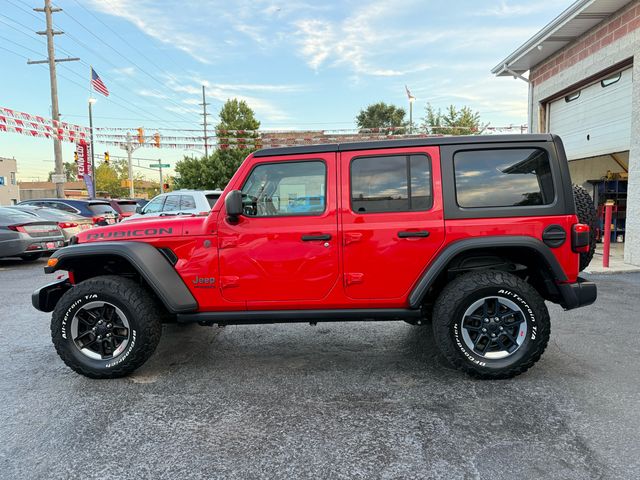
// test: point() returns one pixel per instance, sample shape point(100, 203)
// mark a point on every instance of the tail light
point(16, 228)
point(97, 220)
point(67, 224)
point(580, 238)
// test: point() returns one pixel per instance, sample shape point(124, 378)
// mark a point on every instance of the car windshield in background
point(51, 214)
point(212, 199)
point(128, 207)
point(101, 208)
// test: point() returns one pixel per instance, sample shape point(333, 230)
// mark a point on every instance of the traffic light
point(165, 187)
point(140, 135)
point(156, 140)
point(75, 156)
point(106, 158)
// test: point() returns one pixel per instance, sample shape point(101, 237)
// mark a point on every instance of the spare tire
point(586, 211)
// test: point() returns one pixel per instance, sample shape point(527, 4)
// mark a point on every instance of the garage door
point(595, 120)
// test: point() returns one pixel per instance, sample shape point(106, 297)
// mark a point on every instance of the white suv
point(180, 202)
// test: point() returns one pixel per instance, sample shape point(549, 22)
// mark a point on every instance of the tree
point(70, 171)
point(381, 115)
point(454, 121)
point(216, 170)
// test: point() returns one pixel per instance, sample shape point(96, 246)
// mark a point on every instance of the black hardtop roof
point(405, 142)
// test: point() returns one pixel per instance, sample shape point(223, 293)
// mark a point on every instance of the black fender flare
point(147, 260)
point(445, 256)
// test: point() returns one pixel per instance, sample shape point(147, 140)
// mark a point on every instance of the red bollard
point(608, 213)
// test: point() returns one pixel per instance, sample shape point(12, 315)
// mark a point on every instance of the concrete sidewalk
point(616, 261)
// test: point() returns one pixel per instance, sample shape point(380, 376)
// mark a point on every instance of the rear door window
point(101, 208)
point(396, 183)
point(187, 202)
point(503, 178)
point(172, 203)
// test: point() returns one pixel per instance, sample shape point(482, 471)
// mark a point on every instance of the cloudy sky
point(299, 65)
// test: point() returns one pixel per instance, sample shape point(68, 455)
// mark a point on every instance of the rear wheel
point(586, 211)
point(106, 327)
point(491, 324)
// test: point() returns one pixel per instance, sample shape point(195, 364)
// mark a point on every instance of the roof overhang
point(579, 18)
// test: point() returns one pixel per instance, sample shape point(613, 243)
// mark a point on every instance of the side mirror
point(233, 204)
point(138, 209)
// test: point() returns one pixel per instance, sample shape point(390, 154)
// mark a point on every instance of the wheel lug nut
point(493, 335)
point(99, 337)
point(93, 329)
point(486, 320)
point(484, 330)
point(99, 322)
point(108, 335)
point(109, 325)
point(501, 327)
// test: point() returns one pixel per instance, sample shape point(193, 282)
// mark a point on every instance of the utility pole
point(93, 162)
point(160, 163)
point(55, 112)
point(204, 124)
point(129, 148)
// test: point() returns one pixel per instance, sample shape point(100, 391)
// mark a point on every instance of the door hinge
point(353, 278)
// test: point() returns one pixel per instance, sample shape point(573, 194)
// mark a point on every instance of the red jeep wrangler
point(470, 234)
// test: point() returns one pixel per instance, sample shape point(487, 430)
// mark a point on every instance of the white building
point(9, 192)
point(581, 69)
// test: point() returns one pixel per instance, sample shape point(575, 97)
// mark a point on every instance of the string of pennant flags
point(14, 121)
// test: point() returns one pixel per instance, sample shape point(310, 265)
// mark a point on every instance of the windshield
point(10, 216)
point(128, 207)
point(101, 208)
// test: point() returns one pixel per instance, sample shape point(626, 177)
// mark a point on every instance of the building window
point(2, 181)
point(398, 183)
point(571, 97)
point(13, 178)
point(503, 178)
point(611, 80)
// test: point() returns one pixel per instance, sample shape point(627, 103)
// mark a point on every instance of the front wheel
point(106, 327)
point(491, 324)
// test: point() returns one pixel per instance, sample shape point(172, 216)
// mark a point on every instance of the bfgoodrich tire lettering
point(520, 311)
point(137, 323)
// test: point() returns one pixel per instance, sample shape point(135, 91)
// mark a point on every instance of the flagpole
point(93, 163)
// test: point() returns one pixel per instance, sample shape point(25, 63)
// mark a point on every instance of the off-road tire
point(586, 211)
point(142, 311)
point(30, 257)
point(460, 294)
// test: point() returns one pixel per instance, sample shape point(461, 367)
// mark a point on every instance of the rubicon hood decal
point(130, 233)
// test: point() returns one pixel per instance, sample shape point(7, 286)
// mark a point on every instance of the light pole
point(411, 100)
point(93, 163)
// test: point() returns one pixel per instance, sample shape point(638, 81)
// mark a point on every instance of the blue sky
point(299, 64)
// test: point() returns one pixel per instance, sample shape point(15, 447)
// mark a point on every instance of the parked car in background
point(26, 236)
point(99, 211)
point(70, 223)
point(125, 207)
point(180, 202)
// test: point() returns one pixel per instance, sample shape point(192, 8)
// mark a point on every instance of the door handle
point(312, 238)
point(418, 234)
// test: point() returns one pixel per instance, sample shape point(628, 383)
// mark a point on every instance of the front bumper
point(45, 298)
point(578, 294)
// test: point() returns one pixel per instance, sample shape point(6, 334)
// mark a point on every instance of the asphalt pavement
point(339, 400)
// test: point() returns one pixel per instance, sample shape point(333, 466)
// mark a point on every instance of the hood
point(158, 227)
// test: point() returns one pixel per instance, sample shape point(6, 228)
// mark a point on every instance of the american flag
point(98, 84)
point(411, 97)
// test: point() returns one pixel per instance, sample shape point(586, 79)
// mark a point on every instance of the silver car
point(70, 223)
point(25, 236)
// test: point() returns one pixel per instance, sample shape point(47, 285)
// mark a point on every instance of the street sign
point(58, 178)
point(159, 165)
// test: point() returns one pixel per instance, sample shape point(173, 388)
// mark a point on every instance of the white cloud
point(158, 24)
point(151, 94)
point(506, 9)
point(125, 71)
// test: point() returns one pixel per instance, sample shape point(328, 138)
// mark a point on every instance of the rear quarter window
point(514, 177)
point(101, 208)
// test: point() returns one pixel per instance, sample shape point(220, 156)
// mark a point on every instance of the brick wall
point(617, 26)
